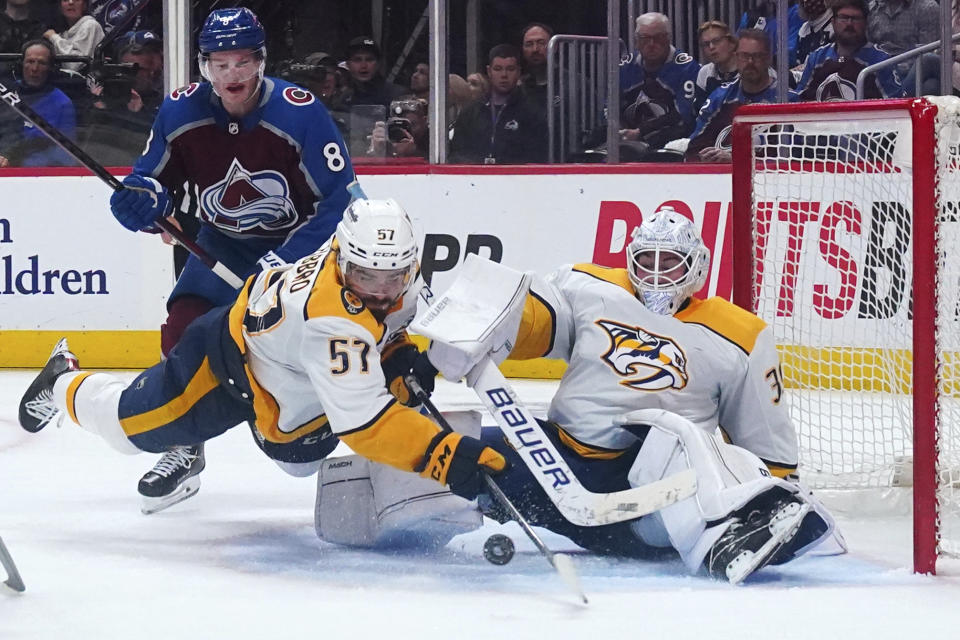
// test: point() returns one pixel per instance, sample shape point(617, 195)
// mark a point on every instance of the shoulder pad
point(613, 275)
point(737, 325)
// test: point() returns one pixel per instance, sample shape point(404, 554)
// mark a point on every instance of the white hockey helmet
point(667, 261)
point(377, 248)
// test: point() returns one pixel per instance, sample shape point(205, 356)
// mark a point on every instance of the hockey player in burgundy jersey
point(268, 170)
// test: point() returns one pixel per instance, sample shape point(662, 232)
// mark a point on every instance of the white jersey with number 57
point(713, 363)
point(313, 359)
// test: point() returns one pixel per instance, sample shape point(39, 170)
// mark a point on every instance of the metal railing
point(576, 93)
point(897, 59)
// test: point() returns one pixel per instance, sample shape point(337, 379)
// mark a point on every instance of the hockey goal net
point(846, 242)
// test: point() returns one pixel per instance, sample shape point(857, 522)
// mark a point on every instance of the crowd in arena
point(98, 77)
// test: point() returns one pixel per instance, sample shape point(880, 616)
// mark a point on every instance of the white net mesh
point(832, 231)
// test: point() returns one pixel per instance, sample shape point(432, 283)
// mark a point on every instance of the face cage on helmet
point(233, 74)
point(659, 293)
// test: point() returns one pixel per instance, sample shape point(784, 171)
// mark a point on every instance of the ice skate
point(37, 409)
point(173, 479)
point(753, 540)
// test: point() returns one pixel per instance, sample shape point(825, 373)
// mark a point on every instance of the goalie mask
point(667, 261)
point(377, 252)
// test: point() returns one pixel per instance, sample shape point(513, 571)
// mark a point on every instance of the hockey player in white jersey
point(658, 381)
point(298, 355)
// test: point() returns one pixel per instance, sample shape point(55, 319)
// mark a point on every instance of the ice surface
point(241, 560)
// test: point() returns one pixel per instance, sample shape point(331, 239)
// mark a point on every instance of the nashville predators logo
point(351, 301)
point(648, 361)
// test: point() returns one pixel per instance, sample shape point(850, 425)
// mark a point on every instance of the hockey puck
point(498, 549)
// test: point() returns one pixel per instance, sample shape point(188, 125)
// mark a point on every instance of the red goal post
point(845, 241)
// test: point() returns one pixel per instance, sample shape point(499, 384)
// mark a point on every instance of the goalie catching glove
point(406, 360)
point(140, 204)
point(459, 461)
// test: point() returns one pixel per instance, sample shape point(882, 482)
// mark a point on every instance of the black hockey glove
point(459, 461)
point(406, 360)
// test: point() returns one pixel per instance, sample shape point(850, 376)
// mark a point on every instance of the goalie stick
point(560, 561)
point(81, 156)
point(577, 504)
point(13, 581)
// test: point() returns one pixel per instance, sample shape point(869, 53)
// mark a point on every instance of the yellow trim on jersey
point(328, 298)
point(613, 275)
point(585, 450)
point(202, 383)
point(72, 395)
point(725, 318)
point(399, 437)
point(538, 327)
point(780, 472)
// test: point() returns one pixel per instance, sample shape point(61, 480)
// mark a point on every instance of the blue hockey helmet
point(231, 29)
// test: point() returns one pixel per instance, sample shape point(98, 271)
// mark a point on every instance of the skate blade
point(747, 563)
point(188, 489)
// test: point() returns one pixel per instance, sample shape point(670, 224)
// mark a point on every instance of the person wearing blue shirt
point(831, 71)
point(658, 85)
point(23, 144)
point(268, 170)
point(755, 82)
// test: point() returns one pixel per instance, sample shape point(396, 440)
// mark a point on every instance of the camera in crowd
point(117, 80)
point(398, 126)
point(297, 72)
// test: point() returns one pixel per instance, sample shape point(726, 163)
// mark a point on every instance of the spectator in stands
point(111, 13)
point(900, 25)
point(24, 144)
point(815, 32)
point(367, 84)
point(479, 85)
point(929, 66)
point(763, 16)
point(718, 46)
point(17, 26)
point(405, 133)
point(75, 33)
point(830, 72)
point(505, 127)
point(420, 81)
point(756, 82)
point(658, 86)
point(534, 39)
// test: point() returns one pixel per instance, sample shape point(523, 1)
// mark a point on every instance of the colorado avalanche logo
point(297, 96)
point(723, 140)
point(651, 362)
point(835, 88)
point(246, 200)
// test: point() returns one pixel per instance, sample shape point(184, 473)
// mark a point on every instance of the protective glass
point(232, 69)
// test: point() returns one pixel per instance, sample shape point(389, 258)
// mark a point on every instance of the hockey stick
point(81, 156)
point(577, 504)
point(560, 561)
point(13, 581)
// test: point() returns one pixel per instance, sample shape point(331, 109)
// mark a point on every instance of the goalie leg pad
point(727, 478)
point(365, 504)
